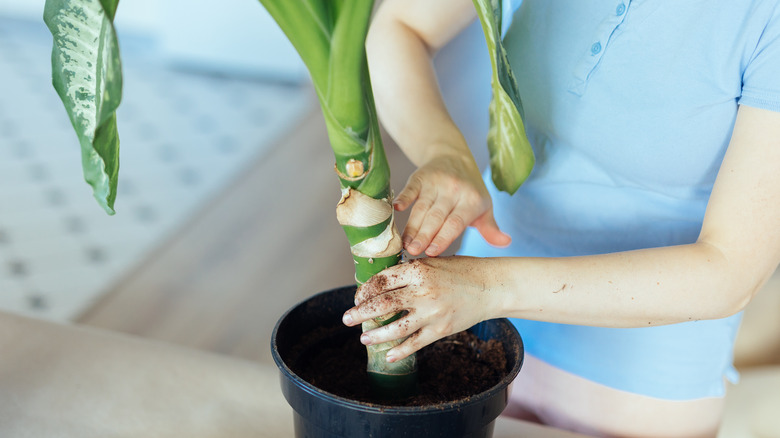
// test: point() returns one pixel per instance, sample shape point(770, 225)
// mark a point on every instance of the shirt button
point(595, 48)
point(621, 8)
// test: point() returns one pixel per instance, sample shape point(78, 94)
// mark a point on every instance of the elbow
point(737, 303)
point(740, 292)
point(733, 284)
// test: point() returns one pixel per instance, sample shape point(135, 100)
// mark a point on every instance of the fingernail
point(407, 239)
point(347, 319)
point(433, 249)
point(364, 339)
point(415, 246)
point(390, 358)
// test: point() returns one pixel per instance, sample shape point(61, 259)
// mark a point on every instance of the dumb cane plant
point(330, 36)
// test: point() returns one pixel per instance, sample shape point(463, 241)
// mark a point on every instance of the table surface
point(76, 381)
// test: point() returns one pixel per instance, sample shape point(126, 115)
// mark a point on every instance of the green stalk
point(344, 96)
point(330, 38)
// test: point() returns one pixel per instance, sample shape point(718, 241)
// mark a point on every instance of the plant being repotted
point(330, 36)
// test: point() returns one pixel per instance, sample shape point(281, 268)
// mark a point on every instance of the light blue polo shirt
point(630, 105)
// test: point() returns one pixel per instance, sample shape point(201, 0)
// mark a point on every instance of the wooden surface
point(81, 382)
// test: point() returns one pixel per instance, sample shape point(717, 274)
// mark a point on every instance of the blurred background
point(204, 97)
point(225, 207)
point(225, 211)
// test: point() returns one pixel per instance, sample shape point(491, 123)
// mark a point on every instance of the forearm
point(405, 88)
point(628, 289)
point(737, 251)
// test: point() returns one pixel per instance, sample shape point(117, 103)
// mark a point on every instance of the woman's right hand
point(448, 195)
point(447, 189)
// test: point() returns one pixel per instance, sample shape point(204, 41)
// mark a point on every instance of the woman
point(651, 218)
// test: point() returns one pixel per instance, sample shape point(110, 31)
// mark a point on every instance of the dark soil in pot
point(463, 379)
point(450, 369)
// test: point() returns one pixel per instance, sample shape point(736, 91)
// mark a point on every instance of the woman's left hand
point(441, 295)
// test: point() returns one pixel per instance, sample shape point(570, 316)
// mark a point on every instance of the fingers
point(396, 330)
point(431, 293)
point(435, 209)
point(418, 336)
point(416, 341)
point(436, 230)
point(445, 199)
point(488, 228)
point(453, 226)
point(384, 304)
point(409, 193)
point(425, 221)
point(427, 216)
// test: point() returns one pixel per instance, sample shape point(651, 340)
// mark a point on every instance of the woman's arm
point(447, 190)
point(737, 251)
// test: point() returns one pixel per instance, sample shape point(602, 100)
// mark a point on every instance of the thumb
point(408, 195)
point(488, 228)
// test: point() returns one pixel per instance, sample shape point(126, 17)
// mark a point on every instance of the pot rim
point(382, 408)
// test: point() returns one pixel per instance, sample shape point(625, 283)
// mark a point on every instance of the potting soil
point(451, 369)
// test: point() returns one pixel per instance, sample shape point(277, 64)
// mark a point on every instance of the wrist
point(492, 288)
point(454, 148)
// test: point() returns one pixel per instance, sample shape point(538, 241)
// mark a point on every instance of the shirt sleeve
point(761, 78)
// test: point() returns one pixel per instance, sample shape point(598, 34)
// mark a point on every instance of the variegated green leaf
point(86, 72)
point(511, 155)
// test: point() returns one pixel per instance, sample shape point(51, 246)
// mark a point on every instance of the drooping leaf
point(511, 155)
point(87, 74)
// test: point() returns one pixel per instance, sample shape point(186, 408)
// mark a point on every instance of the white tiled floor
point(183, 136)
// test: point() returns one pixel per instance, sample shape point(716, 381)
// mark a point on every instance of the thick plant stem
point(375, 245)
point(365, 212)
point(330, 37)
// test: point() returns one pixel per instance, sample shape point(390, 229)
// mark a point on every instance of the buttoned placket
point(600, 42)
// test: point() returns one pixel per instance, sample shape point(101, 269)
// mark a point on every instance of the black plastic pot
point(320, 414)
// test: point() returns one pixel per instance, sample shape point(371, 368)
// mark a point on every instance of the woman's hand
point(442, 296)
point(448, 195)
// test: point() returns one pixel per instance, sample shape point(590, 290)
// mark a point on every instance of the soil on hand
point(453, 368)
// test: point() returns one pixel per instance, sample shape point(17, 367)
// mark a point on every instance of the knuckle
point(418, 340)
point(413, 341)
point(452, 184)
point(444, 329)
point(399, 330)
point(437, 214)
point(423, 236)
point(423, 203)
point(414, 181)
point(456, 223)
point(473, 202)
